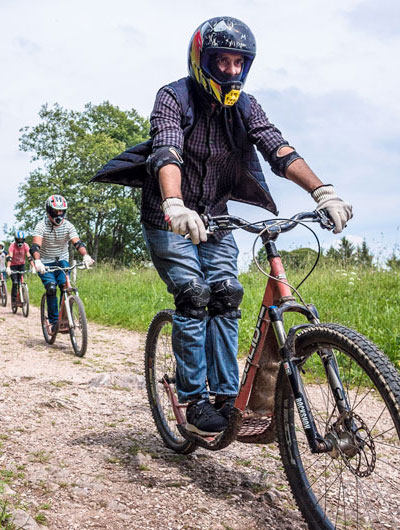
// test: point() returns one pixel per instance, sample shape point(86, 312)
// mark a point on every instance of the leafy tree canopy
point(70, 147)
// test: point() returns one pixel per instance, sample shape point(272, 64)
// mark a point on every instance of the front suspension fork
point(317, 443)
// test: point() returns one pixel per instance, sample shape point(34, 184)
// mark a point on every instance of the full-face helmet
point(213, 37)
point(19, 238)
point(56, 208)
point(2, 246)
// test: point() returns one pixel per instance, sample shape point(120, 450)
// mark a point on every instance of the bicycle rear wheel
point(78, 333)
point(159, 364)
point(3, 293)
point(49, 337)
point(25, 303)
point(356, 485)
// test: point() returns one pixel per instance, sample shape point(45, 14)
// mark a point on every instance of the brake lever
point(324, 219)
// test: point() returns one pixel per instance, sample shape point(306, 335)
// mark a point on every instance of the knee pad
point(192, 299)
point(51, 289)
point(225, 298)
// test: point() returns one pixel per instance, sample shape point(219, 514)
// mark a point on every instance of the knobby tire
point(3, 294)
point(79, 333)
point(25, 304)
point(160, 361)
point(359, 488)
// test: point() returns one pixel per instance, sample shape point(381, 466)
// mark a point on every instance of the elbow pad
point(34, 248)
point(79, 244)
point(8, 259)
point(279, 164)
point(161, 157)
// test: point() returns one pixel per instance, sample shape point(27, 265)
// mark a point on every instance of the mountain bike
point(71, 315)
point(22, 299)
point(3, 290)
point(327, 393)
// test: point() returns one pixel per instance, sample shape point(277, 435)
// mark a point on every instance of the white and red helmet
point(56, 208)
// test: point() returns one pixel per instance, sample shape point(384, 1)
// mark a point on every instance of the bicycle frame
point(277, 300)
point(65, 310)
point(64, 306)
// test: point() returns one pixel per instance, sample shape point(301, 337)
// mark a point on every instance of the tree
point(393, 262)
point(70, 147)
point(345, 253)
point(363, 255)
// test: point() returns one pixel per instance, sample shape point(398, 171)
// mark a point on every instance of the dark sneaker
point(224, 405)
point(203, 419)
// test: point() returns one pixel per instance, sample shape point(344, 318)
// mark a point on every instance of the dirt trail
point(79, 450)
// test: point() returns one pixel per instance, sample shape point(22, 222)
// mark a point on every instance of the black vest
point(249, 186)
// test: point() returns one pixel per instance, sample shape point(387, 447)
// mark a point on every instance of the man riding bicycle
point(204, 129)
point(18, 251)
point(50, 248)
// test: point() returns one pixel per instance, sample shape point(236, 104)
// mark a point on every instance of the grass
point(366, 300)
point(5, 517)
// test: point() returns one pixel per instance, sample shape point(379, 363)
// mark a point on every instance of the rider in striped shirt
point(50, 248)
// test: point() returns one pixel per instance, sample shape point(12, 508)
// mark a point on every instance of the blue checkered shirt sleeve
point(165, 120)
point(261, 132)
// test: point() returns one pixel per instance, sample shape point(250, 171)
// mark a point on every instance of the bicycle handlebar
point(271, 228)
point(20, 272)
point(55, 268)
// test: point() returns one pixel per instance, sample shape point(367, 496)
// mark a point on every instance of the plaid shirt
point(208, 159)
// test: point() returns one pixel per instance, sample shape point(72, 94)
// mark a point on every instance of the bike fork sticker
point(303, 413)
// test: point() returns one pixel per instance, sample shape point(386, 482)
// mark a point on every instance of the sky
point(326, 74)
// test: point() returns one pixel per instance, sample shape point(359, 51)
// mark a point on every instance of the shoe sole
point(196, 430)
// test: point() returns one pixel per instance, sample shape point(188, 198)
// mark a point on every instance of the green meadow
point(367, 300)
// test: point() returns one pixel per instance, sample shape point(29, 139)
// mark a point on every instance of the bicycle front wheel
point(3, 293)
point(49, 336)
point(159, 365)
point(14, 306)
point(356, 485)
point(25, 301)
point(78, 332)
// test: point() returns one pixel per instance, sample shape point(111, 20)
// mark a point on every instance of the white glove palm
point(8, 271)
point(40, 267)
point(87, 261)
point(183, 220)
point(338, 210)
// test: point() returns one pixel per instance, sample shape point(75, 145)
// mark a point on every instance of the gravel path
point(79, 449)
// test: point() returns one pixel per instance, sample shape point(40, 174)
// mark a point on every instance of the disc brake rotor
point(353, 443)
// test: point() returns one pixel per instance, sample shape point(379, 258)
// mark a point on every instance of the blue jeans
point(205, 349)
point(57, 277)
